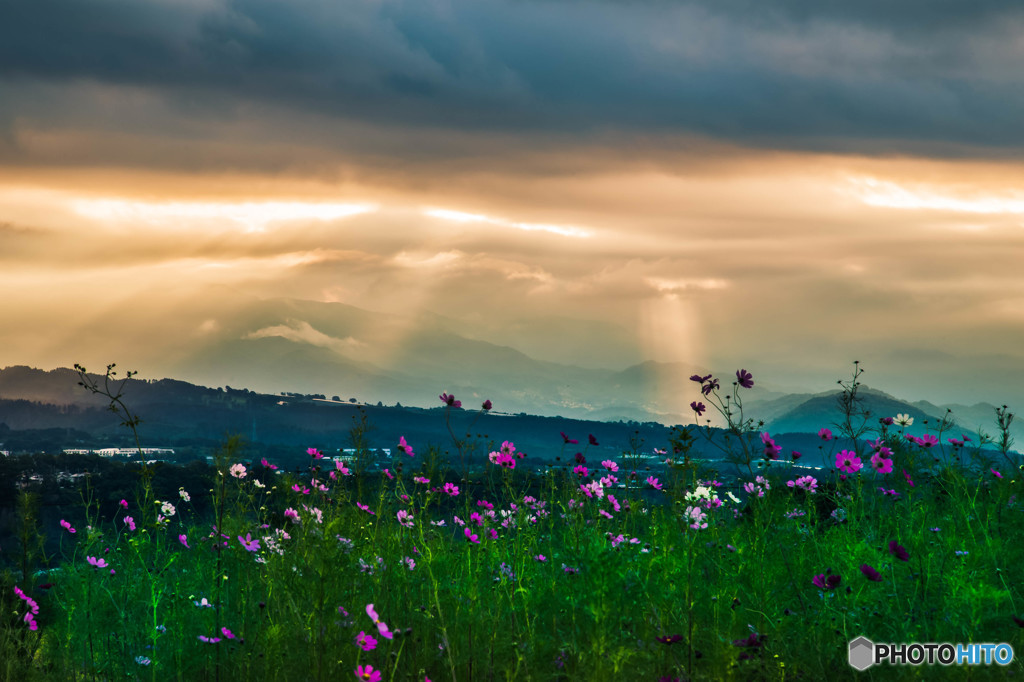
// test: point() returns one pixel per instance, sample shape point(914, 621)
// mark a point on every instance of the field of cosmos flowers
point(593, 570)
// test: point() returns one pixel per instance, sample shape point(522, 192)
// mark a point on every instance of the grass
point(519, 577)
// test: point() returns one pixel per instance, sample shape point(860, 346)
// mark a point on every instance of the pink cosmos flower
point(451, 489)
point(653, 482)
point(907, 476)
point(382, 627)
point(98, 563)
point(267, 465)
point(808, 483)
point(610, 465)
point(848, 461)
point(540, 557)
point(568, 441)
point(130, 522)
point(503, 459)
point(487, 405)
point(996, 473)
point(314, 453)
point(183, 539)
point(472, 537)
point(405, 518)
point(124, 504)
point(825, 434)
point(404, 446)
point(237, 470)
point(367, 673)
point(67, 526)
point(697, 517)
point(292, 515)
point(249, 544)
point(927, 441)
point(209, 640)
point(366, 642)
point(365, 508)
point(227, 633)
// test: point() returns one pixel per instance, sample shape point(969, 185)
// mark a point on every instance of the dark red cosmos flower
point(698, 407)
point(593, 441)
point(754, 641)
point(450, 400)
point(580, 459)
point(744, 378)
point(898, 551)
point(568, 441)
point(870, 573)
point(670, 639)
point(487, 405)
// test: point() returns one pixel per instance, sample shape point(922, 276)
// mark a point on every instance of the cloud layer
point(796, 184)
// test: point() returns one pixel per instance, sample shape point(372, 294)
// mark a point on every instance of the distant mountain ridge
point(34, 398)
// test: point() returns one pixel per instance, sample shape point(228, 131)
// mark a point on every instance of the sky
point(785, 187)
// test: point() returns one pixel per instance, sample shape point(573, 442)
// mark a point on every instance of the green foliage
point(561, 584)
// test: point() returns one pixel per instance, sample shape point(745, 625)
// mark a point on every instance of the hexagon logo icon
point(862, 653)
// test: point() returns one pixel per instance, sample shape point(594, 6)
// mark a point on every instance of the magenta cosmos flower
point(404, 446)
point(366, 642)
point(848, 461)
point(771, 450)
point(881, 464)
point(367, 673)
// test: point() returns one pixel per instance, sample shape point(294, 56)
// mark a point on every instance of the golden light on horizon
point(254, 216)
point(887, 194)
point(462, 217)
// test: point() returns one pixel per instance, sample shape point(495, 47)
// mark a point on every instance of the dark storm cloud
point(808, 75)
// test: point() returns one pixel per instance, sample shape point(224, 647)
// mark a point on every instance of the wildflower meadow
point(747, 567)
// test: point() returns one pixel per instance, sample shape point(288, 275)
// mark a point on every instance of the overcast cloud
point(797, 184)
